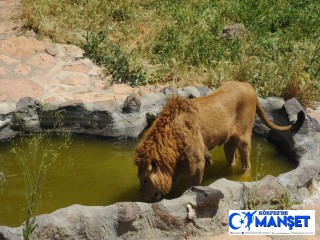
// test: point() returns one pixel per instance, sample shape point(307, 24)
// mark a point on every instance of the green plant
point(283, 203)
point(260, 170)
point(36, 155)
point(115, 61)
point(3, 182)
point(179, 41)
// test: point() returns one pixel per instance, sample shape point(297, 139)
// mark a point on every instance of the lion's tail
point(294, 127)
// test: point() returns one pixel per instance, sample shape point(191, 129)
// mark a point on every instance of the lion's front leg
point(196, 172)
point(196, 179)
point(196, 155)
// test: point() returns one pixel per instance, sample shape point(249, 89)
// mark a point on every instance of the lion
point(179, 139)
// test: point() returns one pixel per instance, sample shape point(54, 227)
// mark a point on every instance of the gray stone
point(7, 107)
point(49, 106)
point(234, 31)
point(189, 92)
point(7, 133)
point(132, 104)
point(151, 105)
point(104, 118)
point(264, 192)
point(126, 125)
point(52, 50)
point(5, 120)
point(233, 193)
point(127, 214)
point(272, 107)
point(168, 91)
point(103, 106)
point(166, 219)
point(204, 91)
point(292, 107)
point(7, 233)
point(26, 116)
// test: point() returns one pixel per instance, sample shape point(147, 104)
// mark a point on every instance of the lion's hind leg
point(230, 152)
point(244, 147)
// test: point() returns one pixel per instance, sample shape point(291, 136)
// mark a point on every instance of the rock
point(292, 107)
point(189, 92)
point(169, 91)
point(26, 116)
point(132, 104)
point(52, 50)
point(308, 154)
point(103, 106)
point(271, 106)
point(264, 192)
point(10, 233)
point(234, 31)
point(126, 125)
point(127, 214)
point(166, 219)
point(204, 91)
point(191, 212)
point(7, 108)
point(199, 210)
point(151, 105)
point(233, 193)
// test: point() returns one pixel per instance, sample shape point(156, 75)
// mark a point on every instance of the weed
point(36, 156)
point(252, 201)
point(3, 182)
point(283, 203)
point(252, 195)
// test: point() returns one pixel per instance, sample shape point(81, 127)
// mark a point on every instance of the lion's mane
point(170, 139)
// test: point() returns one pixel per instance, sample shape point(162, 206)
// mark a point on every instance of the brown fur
point(179, 138)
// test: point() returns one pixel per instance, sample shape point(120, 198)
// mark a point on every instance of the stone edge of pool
point(200, 210)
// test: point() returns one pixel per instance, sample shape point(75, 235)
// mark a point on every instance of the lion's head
point(156, 158)
point(163, 146)
point(154, 181)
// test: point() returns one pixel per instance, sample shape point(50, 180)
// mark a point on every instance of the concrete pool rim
point(200, 210)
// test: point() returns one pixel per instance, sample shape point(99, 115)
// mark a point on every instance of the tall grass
point(150, 41)
point(260, 170)
point(36, 156)
point(3, 182)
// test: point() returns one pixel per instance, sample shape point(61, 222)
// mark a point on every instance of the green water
point(101, 172)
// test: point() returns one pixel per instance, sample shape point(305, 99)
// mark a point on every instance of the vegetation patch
point(147, 41)
point(36, 155)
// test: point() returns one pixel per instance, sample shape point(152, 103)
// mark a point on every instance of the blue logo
point(246, 215)
point(269, 222)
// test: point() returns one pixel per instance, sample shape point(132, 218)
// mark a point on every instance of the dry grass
point(179, 41)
